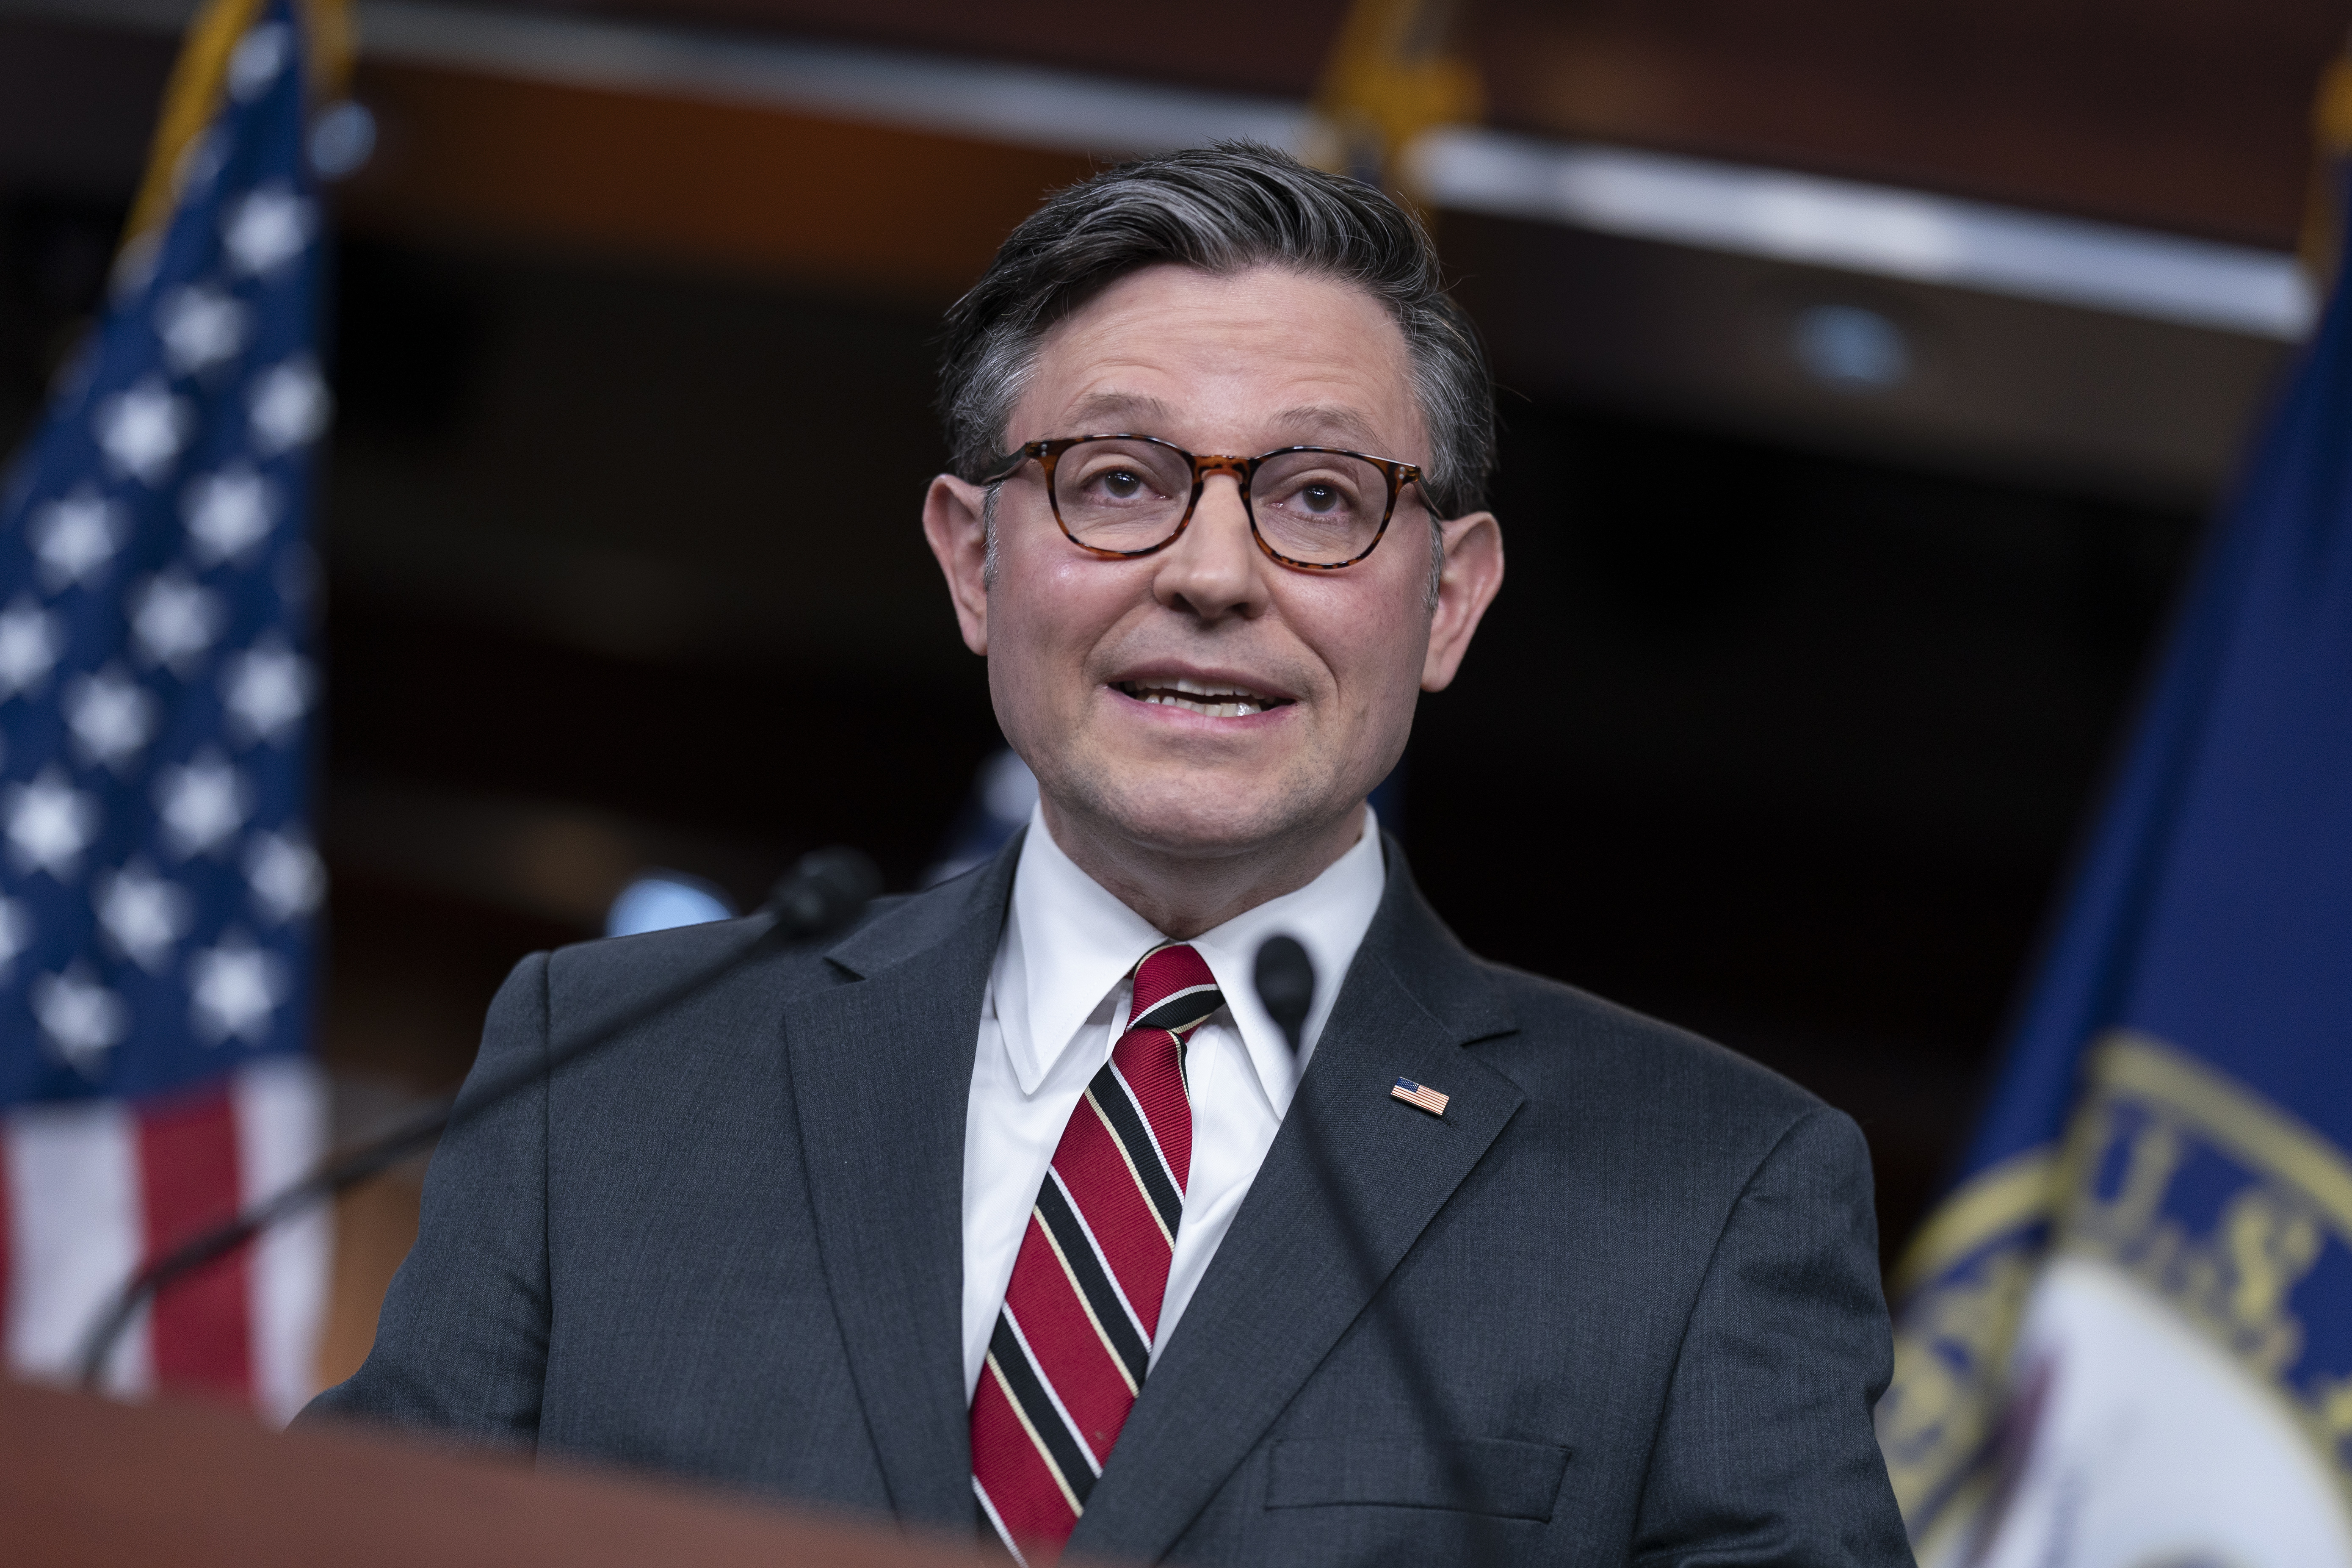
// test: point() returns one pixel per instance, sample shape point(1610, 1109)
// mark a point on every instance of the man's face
point(1325, 666)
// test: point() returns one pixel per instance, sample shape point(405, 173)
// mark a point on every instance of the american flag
point(1419, 1095)
point(157, 884)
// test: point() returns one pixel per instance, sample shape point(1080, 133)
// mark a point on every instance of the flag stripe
point(78, 1230)
point(89, 1189)
point(202, 1332)
point(281, 1126)
point(1419, 1095)
point(7, 1245)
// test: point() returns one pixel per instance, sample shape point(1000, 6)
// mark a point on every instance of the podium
point(88, 1483)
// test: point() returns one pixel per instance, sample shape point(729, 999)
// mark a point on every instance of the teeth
point(1201, 689)
point(1198, 697)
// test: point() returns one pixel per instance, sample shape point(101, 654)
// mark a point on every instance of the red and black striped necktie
point(1074, 1336)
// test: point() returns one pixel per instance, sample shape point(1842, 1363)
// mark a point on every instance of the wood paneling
point(2183, 115)
point(865, 209)
point(87, 1482)
point(1230, 45)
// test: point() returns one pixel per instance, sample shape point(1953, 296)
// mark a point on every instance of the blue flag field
point(2125, 1338)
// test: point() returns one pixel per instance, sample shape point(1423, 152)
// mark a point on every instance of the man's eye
point(1320, 497)
point(1122, 483)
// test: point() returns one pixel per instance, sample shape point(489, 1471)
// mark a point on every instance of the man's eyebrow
point(1117, 413)
point(1136, 413)
point(1330, 419)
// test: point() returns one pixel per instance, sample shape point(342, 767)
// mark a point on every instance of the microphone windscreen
point(1285, 985)
point(827, 889)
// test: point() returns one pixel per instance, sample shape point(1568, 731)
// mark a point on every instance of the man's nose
point(1214, 569)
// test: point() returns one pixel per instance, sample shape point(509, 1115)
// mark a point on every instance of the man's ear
point(954, 520)
point(1472, 574)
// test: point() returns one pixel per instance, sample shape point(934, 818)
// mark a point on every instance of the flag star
point(202, 803)
point(141, 430)
point(265, 691)
point(15, 934)
point(200, 328)
point(285, 875)
point(290, 407)
point(229, 513)
point(173, 619)
point(111, 716)
point(256, 61)
point(50, 822)
point(29, 645)
point(74, 538)
point(233, 990)
point(83, 1020)
point(144, 914)
point(267, 228)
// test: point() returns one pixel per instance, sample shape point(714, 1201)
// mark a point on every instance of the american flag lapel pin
point(1420, 1096)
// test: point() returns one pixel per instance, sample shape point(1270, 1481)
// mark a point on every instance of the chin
point(1205, 813)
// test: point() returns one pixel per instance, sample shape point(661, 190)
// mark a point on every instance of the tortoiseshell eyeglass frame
point(1049, 452)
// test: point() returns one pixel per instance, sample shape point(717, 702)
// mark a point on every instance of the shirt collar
point(1070, 943)
point(1067, 946)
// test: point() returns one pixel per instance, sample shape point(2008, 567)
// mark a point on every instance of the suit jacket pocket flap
point(1512, 1480)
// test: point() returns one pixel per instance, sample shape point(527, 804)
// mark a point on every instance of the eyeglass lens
point(1122, 495)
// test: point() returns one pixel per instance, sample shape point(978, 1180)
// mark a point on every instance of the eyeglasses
point(1122, 496)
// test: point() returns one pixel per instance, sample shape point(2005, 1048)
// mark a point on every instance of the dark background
point(623, 569)
point(1781, 729)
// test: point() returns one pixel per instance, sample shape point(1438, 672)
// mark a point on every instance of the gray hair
point(1222, 209)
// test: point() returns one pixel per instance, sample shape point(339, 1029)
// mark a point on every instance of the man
point(1011, 1210)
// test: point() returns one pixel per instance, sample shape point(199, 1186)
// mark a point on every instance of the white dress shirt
point(1059, 987)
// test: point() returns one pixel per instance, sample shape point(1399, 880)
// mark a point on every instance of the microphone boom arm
point(825, 891)
point(1285, 977)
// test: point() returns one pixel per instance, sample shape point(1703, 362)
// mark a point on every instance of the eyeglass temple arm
point(1002, 467)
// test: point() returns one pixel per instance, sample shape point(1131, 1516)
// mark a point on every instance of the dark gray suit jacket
point(1641, 1270)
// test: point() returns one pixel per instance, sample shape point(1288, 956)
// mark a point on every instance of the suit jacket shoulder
point(1642, 1079)
point(664, 1255)
point(728, 1245)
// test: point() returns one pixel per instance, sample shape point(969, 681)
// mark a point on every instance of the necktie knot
point(1173, 990)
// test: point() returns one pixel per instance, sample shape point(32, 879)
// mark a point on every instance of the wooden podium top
point(84, 1481)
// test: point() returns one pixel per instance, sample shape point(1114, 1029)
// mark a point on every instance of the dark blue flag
point(158, 884)
point(2127, 1336)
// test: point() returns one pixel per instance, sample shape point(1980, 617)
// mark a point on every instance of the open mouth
point(1210, 698)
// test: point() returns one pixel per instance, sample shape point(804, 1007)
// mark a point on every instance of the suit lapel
point(881, 1073)
point(1284, 1286)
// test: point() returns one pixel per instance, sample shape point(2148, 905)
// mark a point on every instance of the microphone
point(1285, 977)
point(1286, 988)
point(826, 891)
